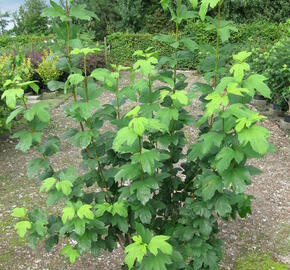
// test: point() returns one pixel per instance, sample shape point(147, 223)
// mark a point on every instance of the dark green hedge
point(248, 10)
point(123, 45)
point(258, 31)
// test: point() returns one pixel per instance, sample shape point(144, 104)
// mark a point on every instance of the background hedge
point(8, 42)
point(256, 34)
point(123, 45)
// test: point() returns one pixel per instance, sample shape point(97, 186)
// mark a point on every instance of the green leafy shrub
point(274, 63)
point(15, 65)
point(12, 91)
point(11, 67)
point(6, 69)
point(149, 190)
point(47, 68)
point(6, 73)
point(24, 69)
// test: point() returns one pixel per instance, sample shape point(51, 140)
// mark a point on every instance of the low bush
point(47, 68)
point(5, 73)
point(5, 68)
point(94, 61)
point(12, 66)
point(35, 57)
point(24, 70)
point(274, 63)
point(143, 185)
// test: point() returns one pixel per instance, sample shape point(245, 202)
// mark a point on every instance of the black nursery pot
point(287, 118)
point(275, 107)
point(259, 97)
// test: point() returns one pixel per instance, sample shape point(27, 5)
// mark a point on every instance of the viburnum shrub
point(143, 185)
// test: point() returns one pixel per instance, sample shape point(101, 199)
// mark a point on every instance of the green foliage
point(259, 31)
point(13, 69)
point(19, 212)
point(274, 64)
point(15, 66)
point(9, 42)
point(149, 190)
point(11, 92)
point(127, 15)
point(70, 252)
point(249, 10)
point(47, 69)
point(24, 70)
point(123, 45)
point(21, 227)
point(5, 68)
point(137, 251)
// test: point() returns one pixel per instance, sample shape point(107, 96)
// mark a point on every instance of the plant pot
point(275, 110)
point(259, 97)
point(260, 102)
point(50, 95)
point(285, 123)
point(32, 99)
point(287, 118)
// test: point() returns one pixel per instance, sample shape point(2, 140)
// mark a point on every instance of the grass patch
point(256, 261)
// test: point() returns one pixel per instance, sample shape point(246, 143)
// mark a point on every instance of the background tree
point(124, 15)
point(4, 21)
point(28, 18)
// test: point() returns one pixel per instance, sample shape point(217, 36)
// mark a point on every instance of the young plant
point(138, 187)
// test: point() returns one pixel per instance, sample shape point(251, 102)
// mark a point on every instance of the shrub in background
point(24, 70)
point(261, 32)
point(35, 57)
point(156, 21)
point(47, 68)
point(249, 10)
point(15, 64)
point(5, 68)
point(8, 42)
point(94, 61)
point(123, 46)
point(5, 73)
point(274, 63)
point(254, 32)
point(12, 66)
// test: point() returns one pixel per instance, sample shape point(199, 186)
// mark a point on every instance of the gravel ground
point(266, 231)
